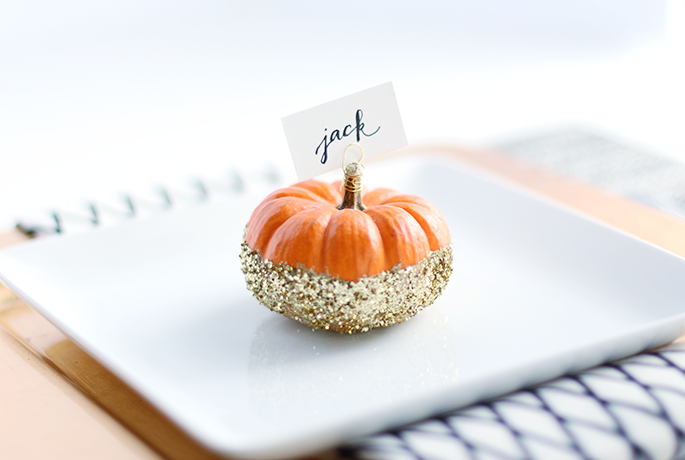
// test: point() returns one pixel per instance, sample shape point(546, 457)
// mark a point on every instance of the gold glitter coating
point(325, 302)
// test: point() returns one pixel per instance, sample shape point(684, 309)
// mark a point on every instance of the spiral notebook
point(626, 409)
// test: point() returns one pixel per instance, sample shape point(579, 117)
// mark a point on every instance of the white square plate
point(537, 291)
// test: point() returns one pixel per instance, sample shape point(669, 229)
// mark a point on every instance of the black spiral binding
point(130, 207)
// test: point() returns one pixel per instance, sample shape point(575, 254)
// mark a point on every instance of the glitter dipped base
point(325, 302)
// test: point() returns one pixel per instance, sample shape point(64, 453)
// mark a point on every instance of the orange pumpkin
point(348, 236)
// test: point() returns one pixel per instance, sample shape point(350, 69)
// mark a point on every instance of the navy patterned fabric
point(631, 409)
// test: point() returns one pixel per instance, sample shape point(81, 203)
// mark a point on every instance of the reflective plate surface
point(537, 291)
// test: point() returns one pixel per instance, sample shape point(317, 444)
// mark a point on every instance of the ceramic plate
point(537, 291)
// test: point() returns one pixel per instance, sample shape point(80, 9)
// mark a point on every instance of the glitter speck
point(325, 302)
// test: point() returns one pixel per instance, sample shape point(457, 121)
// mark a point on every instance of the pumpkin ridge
point(417, 200)
point(267, 202)
point(295, 192)
point(388, 261)
point(322, 190)
point(379, 196)
point(305, 247)
point(404, 242)
point(348, 233)
point(423, 231)
point(268, 217)
point(297, 214)
point(435, 230)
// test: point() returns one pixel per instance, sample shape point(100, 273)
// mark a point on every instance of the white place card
point(317, 137)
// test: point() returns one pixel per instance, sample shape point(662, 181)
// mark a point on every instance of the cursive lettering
point(337, 135)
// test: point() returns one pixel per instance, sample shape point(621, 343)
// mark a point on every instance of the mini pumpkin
point(346, 261)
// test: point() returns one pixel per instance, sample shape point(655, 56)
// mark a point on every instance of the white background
point(102, 97)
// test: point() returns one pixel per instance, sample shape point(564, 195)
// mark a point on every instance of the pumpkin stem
point(352, 187)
